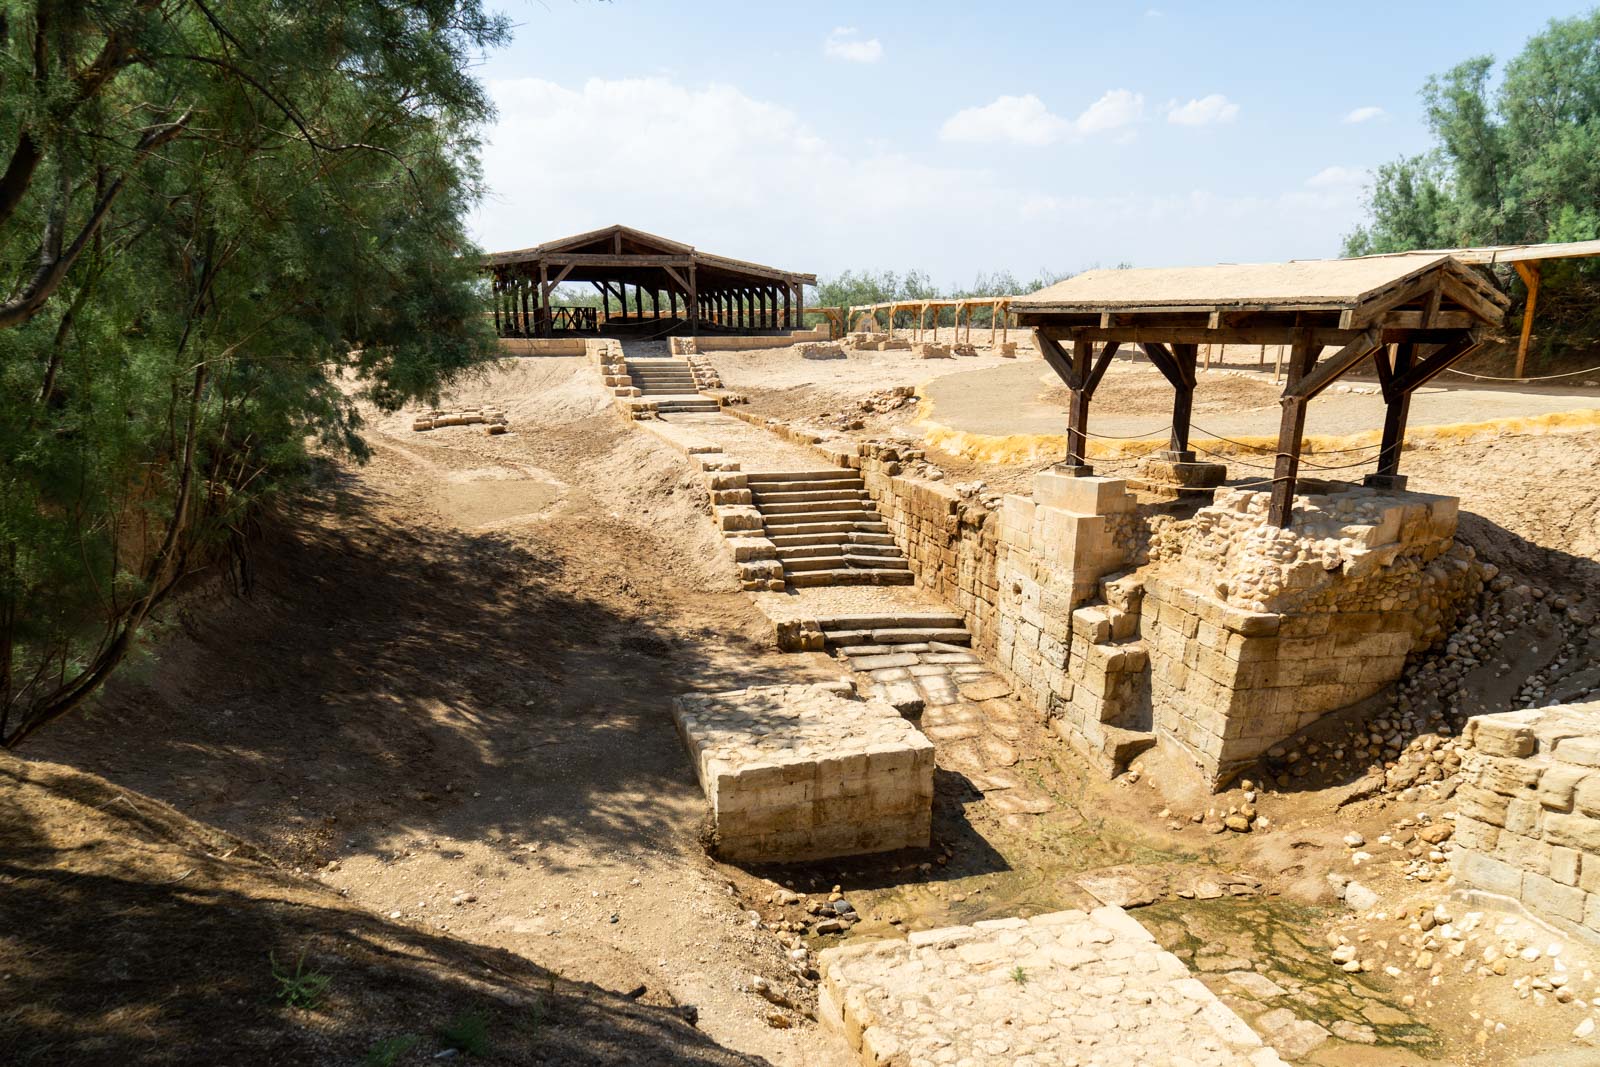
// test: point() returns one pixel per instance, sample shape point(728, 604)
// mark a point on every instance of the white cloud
point(1025, 120)
point(1337, 178)
point(1117, 108)
point(1366, 114)
point(1206, 111)
point(758, 183)
point(845, 42)
point(1018, 119)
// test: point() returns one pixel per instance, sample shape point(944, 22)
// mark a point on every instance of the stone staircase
point(901, 632)
point(825, 529)
point(669, 385)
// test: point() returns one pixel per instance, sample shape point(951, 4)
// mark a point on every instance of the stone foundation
point(1065, 988)
point(798, 772)
point(1528, 813)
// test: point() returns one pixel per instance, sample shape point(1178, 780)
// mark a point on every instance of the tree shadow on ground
point(384, 673)
point(131, 935)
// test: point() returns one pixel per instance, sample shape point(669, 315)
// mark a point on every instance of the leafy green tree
point(1513, 163)
point(222, 226)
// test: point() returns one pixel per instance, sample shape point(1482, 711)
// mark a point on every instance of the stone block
point(1551, 898)
point(1574, 831)
point(1082, 496)
point(739, 517)
point(799, 772)
point(1566, 865)
point(1488, 874)
point(1558, 786)
point(1498, 738)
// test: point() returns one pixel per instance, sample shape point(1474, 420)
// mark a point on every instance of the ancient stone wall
point(1218, 633)
point(1528, 813)
point(1254, 632)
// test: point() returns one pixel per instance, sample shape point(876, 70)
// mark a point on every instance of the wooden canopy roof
point(1411, 315)
point(1340, 294)
point(622, 253)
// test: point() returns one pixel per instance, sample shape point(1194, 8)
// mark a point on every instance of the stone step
point(896, 636)
point(767, 496)
point(813, 507)
point(686, 405)
point(849, 576)
point(842, 562)
point(809, 484)
point(835, 474)
point(777, 531)
point(938, 620)
point(823, 547)
point(857, 538)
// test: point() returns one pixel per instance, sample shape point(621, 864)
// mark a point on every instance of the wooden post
point(788, 307)
point(605, 300)
point(1182, 403)
point(672, 303)
point(1078, 408)
point(638, 301)
point(655, 304)
point(1291, 427)
point(1277, 366)
point(1397, 408)
point(692, 303)
point(1530, 278)
point(494, 287)
point(543, 329)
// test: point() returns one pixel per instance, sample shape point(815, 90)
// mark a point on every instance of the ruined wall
point(1254, 632)
point(1528, 812)
point(1218, 633)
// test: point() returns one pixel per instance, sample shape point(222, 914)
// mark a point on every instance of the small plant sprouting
point(1019, 975)
point(386, 1052)
point(301, 989)
point(467, 1033)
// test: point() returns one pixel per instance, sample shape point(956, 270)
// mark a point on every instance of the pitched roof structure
point(718, 292)
point(1412, 315)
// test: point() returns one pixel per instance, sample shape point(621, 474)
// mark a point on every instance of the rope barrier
point(1540, 378)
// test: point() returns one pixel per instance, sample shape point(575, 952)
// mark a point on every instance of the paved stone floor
point(963, 707)
point(1070, 988)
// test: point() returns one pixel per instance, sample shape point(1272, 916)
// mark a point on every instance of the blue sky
point(962, 138)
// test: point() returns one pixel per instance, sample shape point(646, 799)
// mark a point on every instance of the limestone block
point(1488, 874)
point(745, 549)
point(1549, 897)
point(1558, 786)
point(1583, 751)
point(799, 772)
point(1566, 865)
point(739, 517)
point(1497, 738)
point(1574, 831)
point(1083, 496)
point(731, 496)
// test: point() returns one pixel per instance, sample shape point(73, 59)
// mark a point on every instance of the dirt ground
point(446, 700)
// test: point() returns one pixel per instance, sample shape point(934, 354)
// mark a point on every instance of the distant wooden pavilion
point(1411, 315)
point(717, 294)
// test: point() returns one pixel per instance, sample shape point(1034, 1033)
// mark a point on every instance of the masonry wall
point(1528, 812)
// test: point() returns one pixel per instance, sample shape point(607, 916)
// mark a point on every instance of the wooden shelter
point(997, 306)
point(718, 295)
point(1412, 315)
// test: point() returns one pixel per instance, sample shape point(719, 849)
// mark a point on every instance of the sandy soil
point(426, 699)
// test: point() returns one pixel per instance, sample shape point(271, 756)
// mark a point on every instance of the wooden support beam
point(1078, 406)
point(1397, 408)
point(1108, 350)
point(1436, 364)
point(543, 320)
point(1184, 357)
point(1324, 373)
point(1291, 428)
point(1530, 277)
point(1058, 359)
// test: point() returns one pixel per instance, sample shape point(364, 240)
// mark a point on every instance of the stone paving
point(1070, 988)
point(963, 706)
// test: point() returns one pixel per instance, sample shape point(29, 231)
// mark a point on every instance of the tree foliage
point(1513, 162)
point(222, 226)
point(852, 288)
